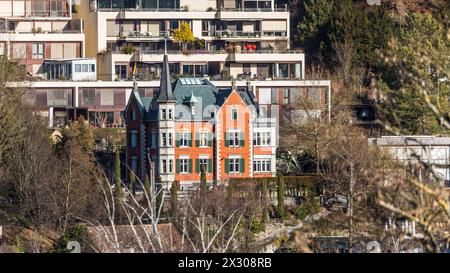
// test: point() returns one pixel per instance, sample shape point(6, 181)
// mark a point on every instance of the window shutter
point(178, 140)
point(197, 165)
point(190, 140)
point(210, 165)
point(197, 140)
point(242, 165)
point(227, 165)
point(178, 165)
point(241, 140)
point(190, 166)
point(227, 140)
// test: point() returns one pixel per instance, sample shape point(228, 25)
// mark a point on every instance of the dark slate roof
point(202, 93)
point(165, 93)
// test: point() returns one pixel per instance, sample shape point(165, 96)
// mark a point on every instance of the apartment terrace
point(26, 26)
point(36, 9)
point(133, 6)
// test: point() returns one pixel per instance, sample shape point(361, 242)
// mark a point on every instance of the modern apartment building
point(240, 39)
point(42, 36)
point(245, 41)
point(191, 125)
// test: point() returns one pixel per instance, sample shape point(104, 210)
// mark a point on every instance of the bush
point(256, 226)
point(128, 50)
point(78, 233)
point(308, 207)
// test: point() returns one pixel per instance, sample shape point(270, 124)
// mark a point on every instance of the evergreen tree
point(280, 196)
point(174, 199)
point(414, 59)
point(133, 183)
point(203, 183)
point(312, 28)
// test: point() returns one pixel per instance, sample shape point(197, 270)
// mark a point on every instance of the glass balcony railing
point(245, 34)
point(208, 51)
point(72, 26)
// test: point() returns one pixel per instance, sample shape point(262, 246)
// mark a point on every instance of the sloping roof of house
point(137, 240)
point(202, 94)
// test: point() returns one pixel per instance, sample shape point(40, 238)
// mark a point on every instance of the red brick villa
point(192, 124)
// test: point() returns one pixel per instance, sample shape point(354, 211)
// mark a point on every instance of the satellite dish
point(373, 247)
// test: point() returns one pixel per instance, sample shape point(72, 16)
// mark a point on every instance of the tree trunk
point(350, 208)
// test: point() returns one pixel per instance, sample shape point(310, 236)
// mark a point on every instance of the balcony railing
point(143, 35)
point(94, 6)
point(208, 51)
point(246, 34)
point(72, 26)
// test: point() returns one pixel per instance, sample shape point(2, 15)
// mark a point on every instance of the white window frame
point(38, 50)
point(234, 138)
point(233, 111)
point(170, 166)
point(184, 165)
point(203, 138)
point(163, 166)
point(169, 139)
point(163, 139)
point(234, 163)
point(262, 165)
point(184, 139)
point(203, 160)
point(163, 114)
point(262, 139)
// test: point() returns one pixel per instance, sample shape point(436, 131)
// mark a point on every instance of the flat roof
point(411, 141)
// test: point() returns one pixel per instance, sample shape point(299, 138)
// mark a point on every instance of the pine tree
point(280, 196)
point(312, 28)
point(174, 199)
point(265, 211)
point(133, 183)
point(118, 177)
point(203, 183)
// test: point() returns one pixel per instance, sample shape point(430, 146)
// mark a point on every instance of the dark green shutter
point(197, 139)
point(190, 140)
point(190, 166)
point(227, 139)
point(178, 165)
point(178, 140)
point(227, 165)
point(242, 165)
point(241, 140)
point(210, 165)
point(197, 165)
